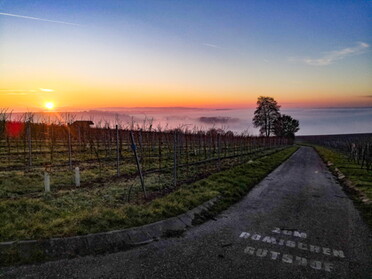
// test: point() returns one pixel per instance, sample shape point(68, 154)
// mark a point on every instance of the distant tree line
point(268, 118)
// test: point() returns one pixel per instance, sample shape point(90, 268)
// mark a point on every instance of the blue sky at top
point(241, 46)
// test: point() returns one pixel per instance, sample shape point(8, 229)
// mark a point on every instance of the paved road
point(297, 223)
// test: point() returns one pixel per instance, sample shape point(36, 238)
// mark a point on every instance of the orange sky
point(35, 99)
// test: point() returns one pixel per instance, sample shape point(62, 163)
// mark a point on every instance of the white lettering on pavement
point(288, 258)
point(293, 244)
point(290, 232)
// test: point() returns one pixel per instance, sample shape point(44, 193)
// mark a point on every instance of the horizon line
point(102, 109)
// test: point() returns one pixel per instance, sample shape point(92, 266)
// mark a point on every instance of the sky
point(205, 54)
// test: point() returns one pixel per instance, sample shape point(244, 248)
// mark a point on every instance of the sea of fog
point(313, 121)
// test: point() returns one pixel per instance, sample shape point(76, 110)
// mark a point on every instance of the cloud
point(40, 19)
point(16, 91)
point(211, 45)
point(218, 119)
point(46, 90)
point(24, 91)
point(366, 96)
point(332, 56)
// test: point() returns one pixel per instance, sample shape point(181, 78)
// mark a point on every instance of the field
point(127, 177)
point(29, 150)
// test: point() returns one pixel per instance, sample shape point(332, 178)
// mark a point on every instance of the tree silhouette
point(266, 113)
point(286, 126)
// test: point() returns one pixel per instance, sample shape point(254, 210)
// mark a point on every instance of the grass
point(89, 210)
point(360, 178)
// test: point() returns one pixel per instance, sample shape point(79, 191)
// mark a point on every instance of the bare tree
point(266, 113)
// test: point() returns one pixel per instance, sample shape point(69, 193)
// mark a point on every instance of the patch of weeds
point(360, 178)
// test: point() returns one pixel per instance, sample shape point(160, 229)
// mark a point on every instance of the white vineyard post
point(47, 182)
point(77, 177)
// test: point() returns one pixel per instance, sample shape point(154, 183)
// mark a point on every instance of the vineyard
point(40, 156)
point(357, 147)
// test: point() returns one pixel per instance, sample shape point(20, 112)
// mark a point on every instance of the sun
point(49, 105)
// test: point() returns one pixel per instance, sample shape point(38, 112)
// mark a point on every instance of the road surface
point(297, 223)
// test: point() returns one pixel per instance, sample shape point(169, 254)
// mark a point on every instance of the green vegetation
point(93, 209)
point(360, 178)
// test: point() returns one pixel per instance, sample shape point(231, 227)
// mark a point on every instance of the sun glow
point(49, 105)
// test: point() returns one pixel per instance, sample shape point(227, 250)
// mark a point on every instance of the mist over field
point(313, 121)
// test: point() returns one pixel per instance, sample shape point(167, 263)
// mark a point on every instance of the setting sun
point(49, 105)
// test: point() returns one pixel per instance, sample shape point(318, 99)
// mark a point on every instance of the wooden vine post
point(134, 149)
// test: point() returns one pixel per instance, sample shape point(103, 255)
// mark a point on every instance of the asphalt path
point(297, 223)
